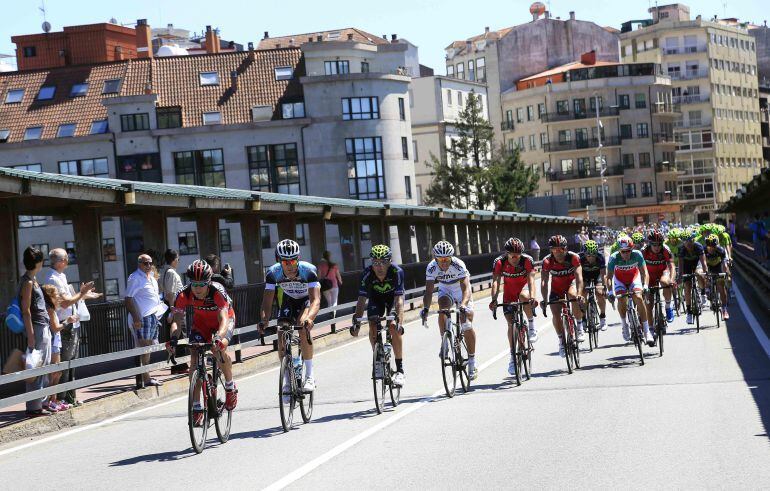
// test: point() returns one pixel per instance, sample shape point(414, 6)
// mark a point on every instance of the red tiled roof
point(298, 39)
point(174, 79)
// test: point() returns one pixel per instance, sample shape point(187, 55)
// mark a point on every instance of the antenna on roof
point(46, 25)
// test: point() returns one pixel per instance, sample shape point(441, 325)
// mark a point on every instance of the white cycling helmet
point(287, 249)
point(443, 249)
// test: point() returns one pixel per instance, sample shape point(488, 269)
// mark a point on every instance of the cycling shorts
point(621, 288)
point(457, 297)
point(199, 335)
point(557, 293)
point(379, 307)
point(656, 277)
point(292, 308)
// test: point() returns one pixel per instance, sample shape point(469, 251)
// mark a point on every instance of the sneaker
point(198, 417)
point(153, 383)
point(51, 407)
point(602, 323)
point(354, 329)
point(580, 335)
point(725, 314)
point(63, 406)
point(626, 333)
point(532, 334)
point(231, 398)
point(562, 351)
point(309, 385)
point(690, 319)
point(669, 315)
point(512, 366)
point(649, 339)
point(398, 379)
point(473, 372)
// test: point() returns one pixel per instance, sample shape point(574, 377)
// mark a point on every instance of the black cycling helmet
point(557, 241)
point(514, 245)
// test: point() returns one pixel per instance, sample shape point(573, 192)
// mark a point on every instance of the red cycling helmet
point(557, 241)
point(655, 237)
point(199, 271)
point(514, 245)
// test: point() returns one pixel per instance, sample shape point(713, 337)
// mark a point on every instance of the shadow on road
point(264, 433)
point(156, 457)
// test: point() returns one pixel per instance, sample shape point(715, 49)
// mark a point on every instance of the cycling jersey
point(296, 288)
point(591, 271)
point(673, 246)
point(690, 258)
point(626, 271)
point(206, 310)
point(381, 293)
point(449, 280)
point(562, 273)
point(657, 263)
point(515, 276)
point(715, 259)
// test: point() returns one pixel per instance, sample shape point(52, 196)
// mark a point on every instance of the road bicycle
point(592, 317)
point(454, 353)
point(292, 371)
point(691, 281)
point(207, 389)
point(571, 346)
point(714, 299)
point(659, 322)
point(522, 348)
point(383, 363)
point(632, 319)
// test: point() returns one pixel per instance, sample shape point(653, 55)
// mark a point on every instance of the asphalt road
point(696, 417)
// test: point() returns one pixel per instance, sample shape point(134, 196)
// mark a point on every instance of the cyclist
point(628, 272)
point(213, 322)
point(562, 268)
point(299, 300)
point(518, 273)
point(382, 285)
point(691, 255)
point(661, 268)
point(614, 247)
point(594, 273)
point(454, 287)
point(674, 240)
point(716, 262)
point(638, 239)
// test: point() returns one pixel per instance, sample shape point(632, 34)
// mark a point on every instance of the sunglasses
point(380, 262)
point(199, 284)
point(289, 262)
point(558, 249)
point(444, 259)
point(146, 263)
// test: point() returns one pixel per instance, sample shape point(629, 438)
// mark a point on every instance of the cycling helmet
point(381, 251)
point(655, 237)
point(637, 237)
point(591, 247)
point(514, 245)
point(721, 229)
point(287, 249)
point(675, 233)
point(712, 240)
point(199, 270)
point(625, 243)
point(557, 241)
point(443, 249)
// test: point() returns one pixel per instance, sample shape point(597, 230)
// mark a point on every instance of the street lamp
point(600, 156)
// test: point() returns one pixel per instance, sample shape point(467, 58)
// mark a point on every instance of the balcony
point(610, 141)
point(693, 123)
point(689, 74)
point(665, 167)
point(608, 201)
point(666, 109)
point(590, 173)
point(569, 116)
point(691, 99)
point(694, 147)
point(686, 50)
point(506, 126)
point(668, 197)
point(664, 138)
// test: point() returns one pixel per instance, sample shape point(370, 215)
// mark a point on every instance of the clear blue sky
point(430, 24)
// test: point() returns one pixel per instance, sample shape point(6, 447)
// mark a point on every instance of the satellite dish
point(537, 8)
point(46, 26)
point(113, 20)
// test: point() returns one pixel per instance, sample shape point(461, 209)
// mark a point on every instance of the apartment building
point(501, 58)
point(713, 70)
point(328, 119)
point(601, 134)
point(436, 104)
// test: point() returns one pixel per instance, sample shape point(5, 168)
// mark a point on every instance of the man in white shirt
point(145, 309)
point(70, 337)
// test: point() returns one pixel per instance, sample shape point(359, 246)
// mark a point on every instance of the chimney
point(572, 15)
point(319, 38)
point(234, 80)
point(486, 30)
point(534, 16)
point(148, 88)
point(119, 53)
point(350, 37)
point(212, 41)
point(310, 39)
point(267, 35)
point(385, 37)
point(468, 46)
point(393, 38)
point(143, 39)
point(588, 58)
point(252, 54)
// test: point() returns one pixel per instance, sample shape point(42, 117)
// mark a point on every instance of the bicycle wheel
point(575, 348)
point(395, 392)
point(448, 366)
point(526, 352)
point(197, 433)
point(306, 406)
point(517, 353)
point(462, 365)
point(223, 418)
point(288, 404)
point(378, 382)
point(638, 338)
point(567, 343)
point(661, 333)
point(591, 324)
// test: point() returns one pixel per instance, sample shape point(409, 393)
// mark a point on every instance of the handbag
point(13, 318)
point(82, 311)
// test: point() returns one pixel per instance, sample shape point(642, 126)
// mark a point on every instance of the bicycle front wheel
point(378, 378)
point(527, 353)
point(287, 399)
point(517, 352)
point(462, 365)
point(395, 392)
point(638, 339)
point(223, 418)
point(448, 366)
point(306, 406)
point(197, 432)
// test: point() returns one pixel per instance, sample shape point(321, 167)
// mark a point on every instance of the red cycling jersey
point(562, 273)
point(206, 310)
point(657, 263)
point(514, 276)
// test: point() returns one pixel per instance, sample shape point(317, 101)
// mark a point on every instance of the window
point(109, 253)
point(283, 72)
point(100, 126)
point(640, 101)
point(224, 240)
point(200, 167)
point(135, 122)
point(565, 136)
point(274, 168)
point(338, 67)
point(532, 142)
point(630, 190)
point(562, 107)
point(592, 103)
point(44, 249)
point(111, 289)
point(188, 243)
point(33, 133)
point(644, 160)
point(642, 130)
point(169, 117)
point(628, 160)
point(623, 101)
point(46, 93)
point(408, 186)
point(208, 78)
point(579, 105)
point(520, 144)
point(414, 151)
point(213, 117)
point(566, 166)
point(364, 67)
point(66, 130)
point(481, 72)
point(449, 97)
point(646, 189)
point(72, 256)
point(540, 110)
point(293, 110)
point(519, 114)
point(401, 109)
point(143, 167)
point(471, 71)
point(29, 51)
point(366, 178)
point(265, 235)
point(461, 71)
point(543, 139)
point(30, 221)
point(360, 108)
point(79, 90)
point(530, 113)
point(4, 135)
point(14, 95)
point(459, 98)
point(404, 148)
point(111, 86)
point(86, 167)
point(625, 131)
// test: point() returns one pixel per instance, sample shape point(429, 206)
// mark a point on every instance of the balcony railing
point(693, 123)
point(689, 147)
point(608, 201)
point(691, 99)
point(676, 50)
point(665, 167)
point(609, 141)
point(669, 196)
point(587, 114)
point(506, 125)
point(666, 109)
point(664, 138)
point(555, 175)
point(689, 74)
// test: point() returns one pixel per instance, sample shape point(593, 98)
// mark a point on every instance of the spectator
point(329, 275)
point(224, 276)
point(731, 230)
point(766, 223)
point(36, 325)
point(70, 338)
point(145, 309)
point(53, 300)
point(758, 233)
point(170, 282)
point(534, 249)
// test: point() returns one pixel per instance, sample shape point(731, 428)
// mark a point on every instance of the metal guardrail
point(338, 312)
point(750, 269)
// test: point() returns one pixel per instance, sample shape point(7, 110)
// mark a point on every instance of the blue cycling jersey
point(297, 287)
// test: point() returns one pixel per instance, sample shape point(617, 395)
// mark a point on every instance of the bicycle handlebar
point(516, 304)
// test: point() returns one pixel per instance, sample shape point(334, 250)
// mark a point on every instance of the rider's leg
point(372, 333)
point(469, 334)
point(444, 302)
point(398, 346)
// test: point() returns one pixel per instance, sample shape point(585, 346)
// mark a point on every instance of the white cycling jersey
point(448, 281)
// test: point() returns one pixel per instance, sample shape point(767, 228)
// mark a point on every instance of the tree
point(449, 186)
point(474, 134)
point(507, 179)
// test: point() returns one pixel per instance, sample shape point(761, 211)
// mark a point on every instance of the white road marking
point(758, 332)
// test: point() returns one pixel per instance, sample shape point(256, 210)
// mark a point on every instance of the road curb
point(116, 403)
